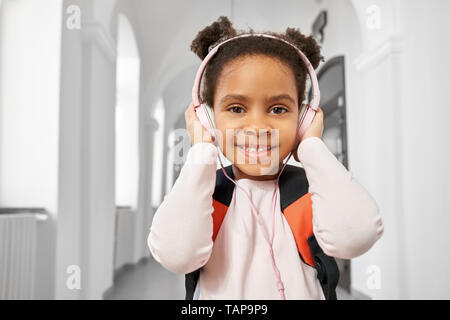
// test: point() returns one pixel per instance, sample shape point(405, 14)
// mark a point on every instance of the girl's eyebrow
point(246, 99)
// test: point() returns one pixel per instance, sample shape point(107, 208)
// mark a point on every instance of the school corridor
point(93, 95)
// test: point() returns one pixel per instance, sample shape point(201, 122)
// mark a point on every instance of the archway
point(128, 221)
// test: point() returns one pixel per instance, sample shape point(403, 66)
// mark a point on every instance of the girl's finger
point(319, 115)
point(190, 112)
point(190, 108)
point(319, 111)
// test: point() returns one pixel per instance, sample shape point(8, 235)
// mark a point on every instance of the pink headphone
point(308, 115)
point(304, 123)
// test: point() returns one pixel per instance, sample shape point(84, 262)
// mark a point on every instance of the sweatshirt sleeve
point(181, 232)
point(346, 219)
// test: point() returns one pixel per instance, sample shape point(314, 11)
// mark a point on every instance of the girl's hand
point(314, 130)
point(197, 132)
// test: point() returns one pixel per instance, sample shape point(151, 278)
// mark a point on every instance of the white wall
point(424, 117)
point(86, 203)
point(127, 116)
point(394, 141)
point(158, 154)
point(30, 35)
point(371, 59)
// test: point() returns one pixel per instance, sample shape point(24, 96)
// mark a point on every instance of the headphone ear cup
point(211, 115)
point(306, 120)
point(301, 113)
point(203, 115)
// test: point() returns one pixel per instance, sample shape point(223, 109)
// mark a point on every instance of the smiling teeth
point(254, 149)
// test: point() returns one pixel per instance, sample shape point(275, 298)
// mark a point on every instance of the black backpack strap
point(223, 192)
point(327, 269)
point(293, 185)
point(190, 283)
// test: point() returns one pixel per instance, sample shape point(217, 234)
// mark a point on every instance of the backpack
point(296, 205)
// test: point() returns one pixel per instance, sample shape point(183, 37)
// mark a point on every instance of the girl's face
point(255, 105)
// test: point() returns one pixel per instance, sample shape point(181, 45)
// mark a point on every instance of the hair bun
point(210, 36)
point(307, 45)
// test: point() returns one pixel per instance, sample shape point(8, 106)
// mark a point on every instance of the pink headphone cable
point(270, 242)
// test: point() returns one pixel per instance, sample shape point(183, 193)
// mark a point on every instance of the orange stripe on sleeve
point(218, 215)
point(299, 217)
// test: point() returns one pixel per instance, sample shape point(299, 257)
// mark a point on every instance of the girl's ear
point(211, 35)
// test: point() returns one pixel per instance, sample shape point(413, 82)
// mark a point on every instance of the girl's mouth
point(256, 152)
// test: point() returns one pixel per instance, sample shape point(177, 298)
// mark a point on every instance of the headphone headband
point(314, 103)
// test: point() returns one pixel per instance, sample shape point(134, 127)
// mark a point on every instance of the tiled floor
point(148, 280)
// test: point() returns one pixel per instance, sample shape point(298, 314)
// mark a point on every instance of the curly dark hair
point(222, 29)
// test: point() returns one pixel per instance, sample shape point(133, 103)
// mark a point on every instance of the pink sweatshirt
point(237, 265)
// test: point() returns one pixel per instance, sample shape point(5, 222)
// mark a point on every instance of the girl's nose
point(258, 124)
point(257, 129)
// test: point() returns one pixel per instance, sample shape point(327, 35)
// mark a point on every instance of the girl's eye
point(235, 109)
point(238, 109)
point(280, 109)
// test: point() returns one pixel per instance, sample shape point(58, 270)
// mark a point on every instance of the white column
point(86, 208)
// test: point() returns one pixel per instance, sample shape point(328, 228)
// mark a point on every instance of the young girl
point(255, 86)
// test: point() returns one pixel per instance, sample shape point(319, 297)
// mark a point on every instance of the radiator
point(17, 255)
